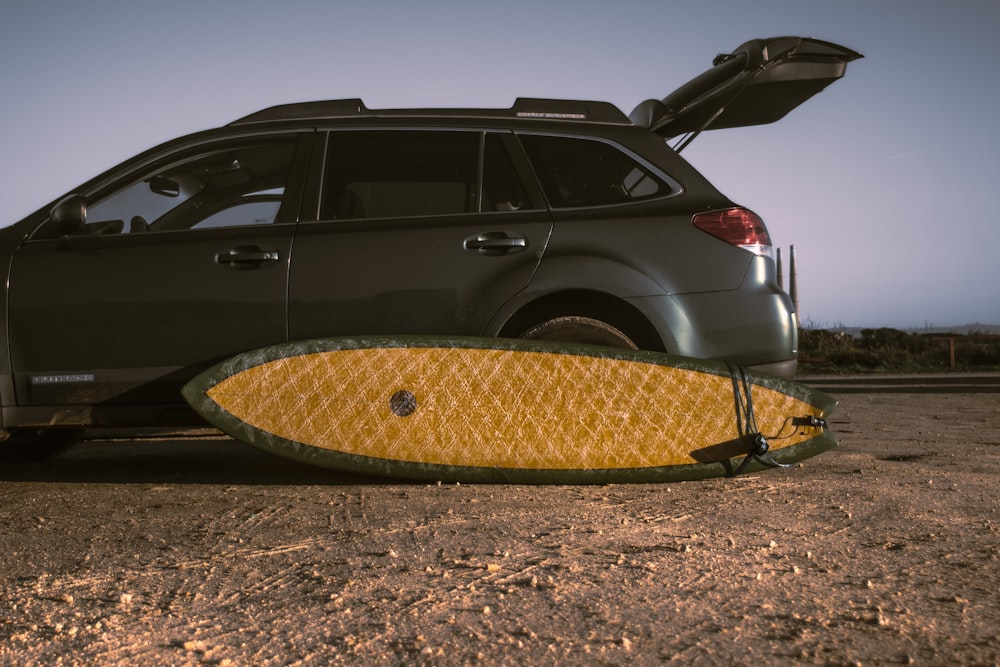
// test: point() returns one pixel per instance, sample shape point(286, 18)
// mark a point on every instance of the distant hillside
point(964, 330)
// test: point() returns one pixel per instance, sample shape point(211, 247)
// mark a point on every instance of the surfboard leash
point(746, 422)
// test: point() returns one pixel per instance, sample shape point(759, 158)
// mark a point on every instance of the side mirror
point(167, 187)
point(69, 214)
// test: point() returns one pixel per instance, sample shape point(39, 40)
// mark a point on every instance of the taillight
point(737, 226)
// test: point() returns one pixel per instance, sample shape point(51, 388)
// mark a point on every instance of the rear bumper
point(782, 369)
point(755, 329)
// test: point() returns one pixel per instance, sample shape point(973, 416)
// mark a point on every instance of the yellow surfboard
point(499, 410)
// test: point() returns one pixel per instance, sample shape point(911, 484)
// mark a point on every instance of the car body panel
point(414, 275)
point(662, 246)
point(122, 313)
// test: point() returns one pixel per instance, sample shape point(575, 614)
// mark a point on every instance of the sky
point(886, 183)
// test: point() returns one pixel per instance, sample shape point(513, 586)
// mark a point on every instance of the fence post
point(781, 274)
point(793, 287)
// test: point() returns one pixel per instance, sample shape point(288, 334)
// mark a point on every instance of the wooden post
point(781, 275)
point(793, 279)
point(967, 337)
point(951, 348)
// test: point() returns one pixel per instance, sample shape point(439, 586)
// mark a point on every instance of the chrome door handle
point(496, 243)
point(246, 257)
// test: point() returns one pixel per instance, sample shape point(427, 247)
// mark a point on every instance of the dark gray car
point(560, 220)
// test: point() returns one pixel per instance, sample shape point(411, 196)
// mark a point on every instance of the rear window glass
point(582, 172)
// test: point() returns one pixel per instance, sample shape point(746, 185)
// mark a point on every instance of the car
point(554, 219)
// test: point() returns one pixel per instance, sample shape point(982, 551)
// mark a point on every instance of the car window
point(584, 172)
point(405, 173)
point(502, 188)
point(232, 183)
point(253, 209)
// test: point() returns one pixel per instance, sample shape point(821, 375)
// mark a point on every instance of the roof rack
point(306, 110)
point(545, 109)
point(524, 107)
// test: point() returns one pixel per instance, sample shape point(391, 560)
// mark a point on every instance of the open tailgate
point(758, 83)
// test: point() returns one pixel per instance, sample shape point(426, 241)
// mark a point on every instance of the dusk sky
point(886, 183)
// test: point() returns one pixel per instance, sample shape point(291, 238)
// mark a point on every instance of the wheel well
point(586, 303)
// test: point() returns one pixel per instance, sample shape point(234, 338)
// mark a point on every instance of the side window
point(406, 173)
point(233, 183)
point(387, 174)
point(502, 187)
point(255, 208)
point(584, 172)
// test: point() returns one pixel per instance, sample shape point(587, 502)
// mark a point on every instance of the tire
point(27, 445)
point(576, 329)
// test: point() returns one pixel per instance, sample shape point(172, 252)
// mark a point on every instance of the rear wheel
point(576, 329)
point(25, 445)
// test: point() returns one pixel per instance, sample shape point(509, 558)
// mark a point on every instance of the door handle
point(496, 243)
point(246, 257)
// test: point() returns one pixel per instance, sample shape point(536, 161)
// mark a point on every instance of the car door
point(180, 263)
point(416, 232)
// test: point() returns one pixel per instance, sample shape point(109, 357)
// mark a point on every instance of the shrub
point(886, 350)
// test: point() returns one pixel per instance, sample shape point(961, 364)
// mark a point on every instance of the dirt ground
point(205, 551)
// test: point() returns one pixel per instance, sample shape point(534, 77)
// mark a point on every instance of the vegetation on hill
point(886, 350)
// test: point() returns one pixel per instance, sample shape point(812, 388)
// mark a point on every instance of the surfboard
point(516, 411)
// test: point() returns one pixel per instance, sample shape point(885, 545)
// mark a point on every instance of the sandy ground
point(186, 552)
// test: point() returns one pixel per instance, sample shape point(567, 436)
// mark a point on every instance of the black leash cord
point(746, 422)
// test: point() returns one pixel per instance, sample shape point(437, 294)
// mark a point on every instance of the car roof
point(564, 111)
point(759, 82)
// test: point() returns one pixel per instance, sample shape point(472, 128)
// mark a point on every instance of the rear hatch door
point(758, 83)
